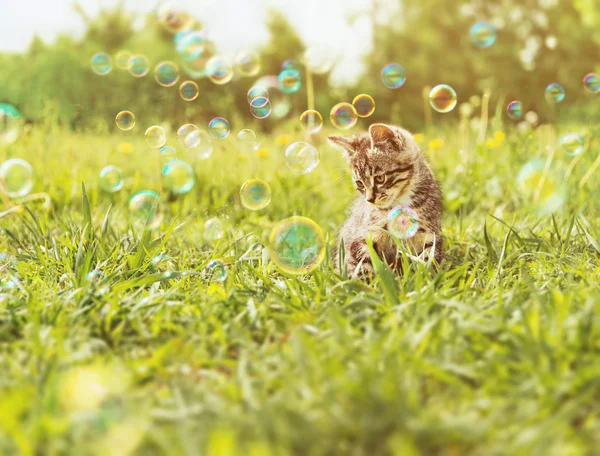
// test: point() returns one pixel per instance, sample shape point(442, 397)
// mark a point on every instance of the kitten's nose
point(371, 199)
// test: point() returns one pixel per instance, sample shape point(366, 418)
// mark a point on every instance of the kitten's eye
point(380, 179)
point(359, 184)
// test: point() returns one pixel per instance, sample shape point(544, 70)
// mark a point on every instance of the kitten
point(389, 170)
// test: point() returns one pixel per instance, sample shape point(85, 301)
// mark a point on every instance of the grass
point(497, 353)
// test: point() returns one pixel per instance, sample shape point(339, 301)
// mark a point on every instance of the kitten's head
point(383, 162)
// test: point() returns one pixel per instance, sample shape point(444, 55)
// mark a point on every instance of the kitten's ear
point(383, 136)
point(344, 142)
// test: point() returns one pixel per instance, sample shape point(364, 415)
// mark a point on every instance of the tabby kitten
point(389, 170)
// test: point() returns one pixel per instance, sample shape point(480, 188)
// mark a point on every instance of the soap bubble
point(255, 194)
point(248, 139)
point(219, 128)
point(219, 70)
point(156, 137)
point(216, 271)
point(319, 59)
point(290, 65)
point(189, 136)
point(95, 277)
point(279, 102)
point(403, 222)
point(16, 178)
point(393, 75)
point(442, 98)
point(125, 120)
point(257, 92)
point(555, 93)
point(163, 263)
point(138, 66)
point(213, 229)
point(247, 64)
point(8, 273)
point(483, 34)
point(166, 73)
point(289, 81)
point(311, 121)
point(541, 187)
point(260, 107)
point(168, 155)
point(343, 116)
point(188, 90)
point(11, 123)
point(190, 44)
point(111, 179)
point(179, 177)
point(196, 67)
point(173, 19)
point(123, 60)
point(301, 158)
point(572, 144)
point(591, 83)
point(143, 206)
point(297, 245)
point(364, 105)
point(515, 110)
point(101, 63)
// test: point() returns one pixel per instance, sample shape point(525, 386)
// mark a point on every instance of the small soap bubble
point(591, 83)
point(190, 44)
point(123, 60)
point(515, 110)
point(260, 107)
point(301, 158)
point(189, 136)
point(179, 177)
point(311, 121)
point(297, 245)
point(163, 263)
point(572, 144)
point(168, 155)
point(248, 139)
point(393, 75)
point(257, 92)
point(219, 128)
point(11, 123)
point(364, 105)
point(8, 266)
point(219, 70)
point(555, 93)
point(255, 194)
point(196, 68)
point(279, 102)
point(343, 116)
point(125, 120)
point(541, 187)
point(216, 271)
point(173, 19)
point(247, 64)
point(290, 65)
point(188, 90)
point(16, 178)
point(138, 66)
point(289, 81)
point(143, 206)
point(101, 63)
point(319, 59)
point(95, 277)
point(483, 34)
point(442, 98)
point(156, 136)
point(166, 73)
point(403, 222)
point(111, 179)
point(213, 229)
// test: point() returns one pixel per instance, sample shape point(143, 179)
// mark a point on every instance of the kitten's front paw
point(362, 271)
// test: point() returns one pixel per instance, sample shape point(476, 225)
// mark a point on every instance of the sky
point(233, 24)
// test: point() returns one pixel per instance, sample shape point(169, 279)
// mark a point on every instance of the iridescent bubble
point(166, 73)
point(290, 65)
point(319, 59)
point(260, 107)
point(343, 116)
point(122, 59)
point(301, 158)
point(515, 110)
point(143, 206)
point(163, 263)
point(138, 66)
point(591, 83)
point(188, 90)
point(173, 19)
point(311, 121)
point(255, 194)
point(216, 271)
point(393, 76)
point(8, 273)
point(219, 128)
point(111, 179)
point(189, 136)
point(168, 155)
point(403, 222)
point(219, 70)
point(555, 93)
point(279, 102)
point(248, 139)
point(364, 105)
point(179, 177)
point(442, 98)
point(190, 44)
point(247, 64)
point(156, 136)
point(196, 67)
point(297, 245)
point(289, 81)
point(213, 229)
point(572, 144)
point(257, 92)
point(483, 34)
point(101, 63)
point(541, 187)
point(125, 120)
point(11, 123)
point(16, 178)
point(95, 277)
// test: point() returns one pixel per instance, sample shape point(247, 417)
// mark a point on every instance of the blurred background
point(46, 47)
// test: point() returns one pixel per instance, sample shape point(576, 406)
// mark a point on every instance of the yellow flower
point(283, 140)
point(436, 143)
point(262, 152)
point(419, 138)
point(241, 157)
point(125, 148)
point(499, 138)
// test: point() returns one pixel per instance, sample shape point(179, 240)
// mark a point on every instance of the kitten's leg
point(427, 244)
point(358, 260)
